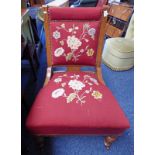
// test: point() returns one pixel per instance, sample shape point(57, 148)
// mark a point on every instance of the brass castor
point(108, 140)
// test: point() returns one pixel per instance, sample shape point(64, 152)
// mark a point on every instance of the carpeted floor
point(122, 86)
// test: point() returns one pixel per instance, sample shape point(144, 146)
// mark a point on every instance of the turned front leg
point(108, 140)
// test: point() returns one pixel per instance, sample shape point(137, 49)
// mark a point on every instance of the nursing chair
point(75, 102)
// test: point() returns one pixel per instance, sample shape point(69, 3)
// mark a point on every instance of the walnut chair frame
point(108, 138)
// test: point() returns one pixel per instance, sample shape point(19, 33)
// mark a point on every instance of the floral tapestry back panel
point(74, 42)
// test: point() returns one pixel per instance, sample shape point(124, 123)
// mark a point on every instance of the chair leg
point(108, 140)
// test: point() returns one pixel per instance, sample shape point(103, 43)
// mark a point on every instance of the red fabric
point(82, 54)
point(74, 35)
point(53, 113)
point(67, 13)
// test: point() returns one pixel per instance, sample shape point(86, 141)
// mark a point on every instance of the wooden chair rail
point(49, 73)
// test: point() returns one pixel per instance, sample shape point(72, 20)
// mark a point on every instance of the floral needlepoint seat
point(75, 101)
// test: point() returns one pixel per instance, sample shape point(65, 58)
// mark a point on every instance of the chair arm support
point(99, 75)
point(49, 73)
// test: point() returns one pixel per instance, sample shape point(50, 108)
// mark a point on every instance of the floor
point(122, 86)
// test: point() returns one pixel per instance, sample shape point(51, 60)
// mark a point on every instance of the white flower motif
point(75, 76)
point(76, 85)
point(56, 34)
point(57, 80)
point(91, 32)
point(73, 42)
point(58, 92)
point(70, 30)
point(58, 52)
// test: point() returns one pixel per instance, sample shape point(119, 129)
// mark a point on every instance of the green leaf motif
point(69, 56)
point(71, 97)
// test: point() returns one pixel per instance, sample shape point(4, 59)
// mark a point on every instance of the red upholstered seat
point(76, 103)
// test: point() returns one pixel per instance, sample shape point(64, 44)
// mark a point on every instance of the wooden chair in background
point(29, 44)
point(118, 19)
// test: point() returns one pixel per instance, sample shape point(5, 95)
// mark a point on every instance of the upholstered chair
point(118, 53)
point(75, 102)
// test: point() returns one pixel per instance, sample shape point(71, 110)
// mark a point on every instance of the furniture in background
point(88, 3)
point(29, 29)
point(118, 19)
point(71, 2)
point(42, 2)
point(75, 101)
point(29, 48)
point(36, 2)
point(100, 3)
point(28, 52)
point(84, 3)
point(118, 53)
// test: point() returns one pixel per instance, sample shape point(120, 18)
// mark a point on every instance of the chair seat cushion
point(76, 103)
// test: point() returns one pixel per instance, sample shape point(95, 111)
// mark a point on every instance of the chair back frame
point(75, 67)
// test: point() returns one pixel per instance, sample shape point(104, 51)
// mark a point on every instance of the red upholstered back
point(74, 34)
point(101, 3)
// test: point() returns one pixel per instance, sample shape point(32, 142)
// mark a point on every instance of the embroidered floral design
point(90, 52)
point(74, 42)
point(94, 80)
point(96, 95)
point(58, 52)
point(71, 97)
point(63, 25)
point(56, 35)
point(63, 84)
point(57, 80)
point(86, 26)
point(58, 92)
point(92, 32)
point(61, 42)
point(77, 86)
